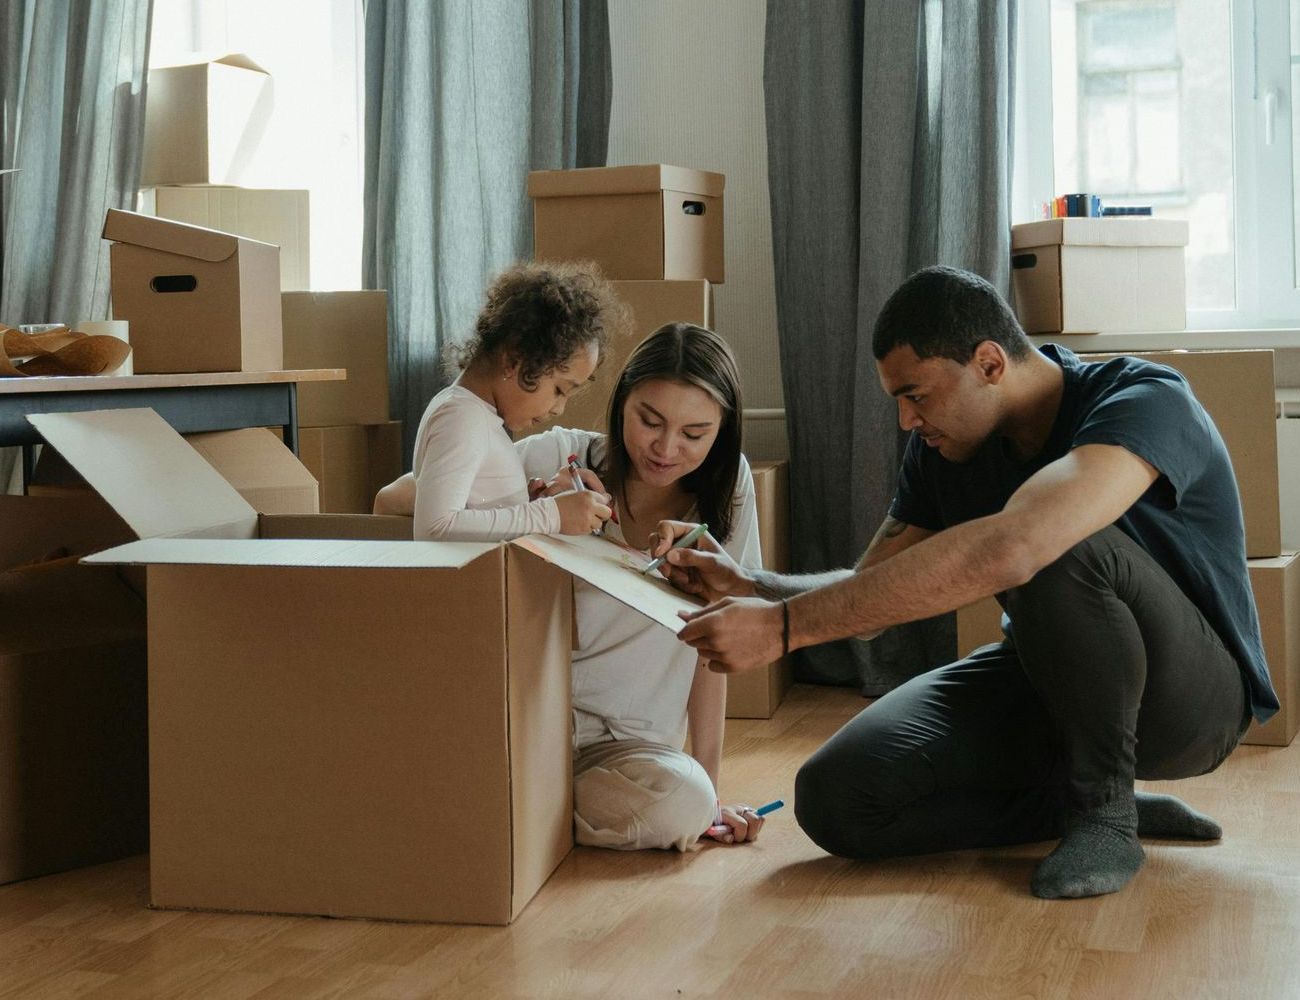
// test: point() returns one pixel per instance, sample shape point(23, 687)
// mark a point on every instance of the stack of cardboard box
point(202, 126)
point(1236, 388)
point(657, 233)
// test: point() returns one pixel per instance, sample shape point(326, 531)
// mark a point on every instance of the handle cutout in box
point(1023, 261)
point(692, 208)
point(174, 283)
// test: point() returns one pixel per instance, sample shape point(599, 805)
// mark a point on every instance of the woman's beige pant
point(632, 794)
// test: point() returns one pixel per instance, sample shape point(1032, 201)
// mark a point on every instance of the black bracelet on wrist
point(785, 627)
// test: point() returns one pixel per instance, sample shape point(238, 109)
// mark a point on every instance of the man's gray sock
point(1165, 817)
point(1098, 854)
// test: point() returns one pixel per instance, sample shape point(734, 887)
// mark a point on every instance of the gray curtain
point(889, 148)
point(463, 98)
point(72, 87)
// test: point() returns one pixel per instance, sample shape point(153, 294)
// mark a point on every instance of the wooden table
point(201, 401)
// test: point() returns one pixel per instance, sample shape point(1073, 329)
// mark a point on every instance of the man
point(1098, 503)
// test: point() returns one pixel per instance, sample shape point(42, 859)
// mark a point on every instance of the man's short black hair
point(945, 312)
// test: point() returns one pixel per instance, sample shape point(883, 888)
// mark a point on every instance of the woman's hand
point(582, 513)
point(705, 570)
point(736, 824)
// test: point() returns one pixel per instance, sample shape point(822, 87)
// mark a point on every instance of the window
point(1183, 105)
point(313, 51)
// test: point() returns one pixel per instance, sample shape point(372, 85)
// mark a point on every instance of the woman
point(672, 453)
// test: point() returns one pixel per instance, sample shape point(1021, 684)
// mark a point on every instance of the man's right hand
point(704, 570)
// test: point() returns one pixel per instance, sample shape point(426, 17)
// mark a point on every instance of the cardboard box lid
point(147, 472)
point(236, 59)
point(614, 569)
point(168, 236)
point(624, 180)
point(305, 552)
point(1120, 232)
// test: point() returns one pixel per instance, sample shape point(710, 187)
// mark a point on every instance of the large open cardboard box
point(340, 723)
point(1099, 275)
point(646, 222)
point(73, 773)
point(197, 300)
point(204, 120)
point(280, 216)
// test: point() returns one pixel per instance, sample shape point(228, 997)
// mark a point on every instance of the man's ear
point(990, 360)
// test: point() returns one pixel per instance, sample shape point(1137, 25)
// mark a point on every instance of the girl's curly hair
point(541, 314)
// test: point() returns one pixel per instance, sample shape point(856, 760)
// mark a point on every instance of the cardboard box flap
point(167, 236)
point(306, 552)
point(145, 470)
point(1120, 232)
point(237, 59)
point(624, 180)
point(614, 569)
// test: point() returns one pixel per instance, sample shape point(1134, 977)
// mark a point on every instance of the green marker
point(688, 539)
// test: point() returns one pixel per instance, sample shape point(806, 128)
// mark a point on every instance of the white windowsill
point(1173, 340)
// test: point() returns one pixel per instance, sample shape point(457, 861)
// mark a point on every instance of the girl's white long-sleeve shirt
point(470, 484)
point(631, 676)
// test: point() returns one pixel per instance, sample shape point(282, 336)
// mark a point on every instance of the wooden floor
point(773, 919)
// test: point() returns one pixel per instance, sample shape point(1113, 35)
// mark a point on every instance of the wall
point(688, 90)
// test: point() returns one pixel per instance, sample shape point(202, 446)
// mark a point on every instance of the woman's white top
point(469, 482)
point(631, 676)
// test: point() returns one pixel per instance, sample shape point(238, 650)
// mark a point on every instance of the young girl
point(672, 453)
point(538, 339)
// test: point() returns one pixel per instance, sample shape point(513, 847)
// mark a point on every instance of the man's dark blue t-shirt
point(1189, 520)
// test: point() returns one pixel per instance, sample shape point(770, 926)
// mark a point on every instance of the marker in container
point(687, 540)
point(721, 829)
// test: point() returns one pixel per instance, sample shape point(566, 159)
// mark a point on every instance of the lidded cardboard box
point(1099, 275)
point(197, 300)
point(343, 721)
point(204, 120)
point(648, 222)
point(279, 216)
point(1276, 585)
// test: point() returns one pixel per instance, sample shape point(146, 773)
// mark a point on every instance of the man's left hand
point(735, 634)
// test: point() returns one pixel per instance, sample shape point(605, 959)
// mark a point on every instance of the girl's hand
point(562, 482)
point(741, 822)
point(582, 513)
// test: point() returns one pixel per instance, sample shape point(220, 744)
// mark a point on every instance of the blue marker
point(721, 829)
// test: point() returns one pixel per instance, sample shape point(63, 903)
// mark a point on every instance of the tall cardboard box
point(1276, 584)
point(73, 766)
point(204, 120)
point(351, 463)
point(652, 303)
point(281, 217)
point(197, 300)
point(756, 694)
point(1099, 275)
point(343, 721)
point(1236, 389)
point(339, 330)
point(648, 222)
